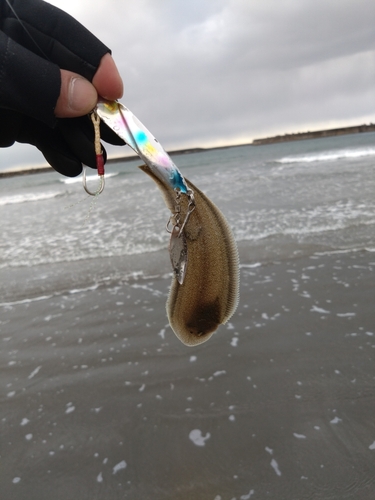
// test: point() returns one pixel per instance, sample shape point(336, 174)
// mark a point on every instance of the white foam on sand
point(34, 372)
point(234, 342)
point(319, 310)
point(121, 465)
point(275, 467)
point(248, 496)
point(299, 436)
point(197, 437)
point(335, 420)
point(70, 408)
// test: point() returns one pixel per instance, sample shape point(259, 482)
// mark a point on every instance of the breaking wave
point(328, 156)
point(25, 198)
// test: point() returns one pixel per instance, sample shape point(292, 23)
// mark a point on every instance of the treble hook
point(100, 188)
point(175, 218)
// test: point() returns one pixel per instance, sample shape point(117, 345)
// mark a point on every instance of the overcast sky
point(217, 72)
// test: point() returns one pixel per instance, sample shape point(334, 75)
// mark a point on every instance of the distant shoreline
point(46, 168)
point(301, 136)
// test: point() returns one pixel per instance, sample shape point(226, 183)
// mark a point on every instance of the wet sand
point(100, 400)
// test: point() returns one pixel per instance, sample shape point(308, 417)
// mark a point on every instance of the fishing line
point(72, 205)
point(27, 31)
point(93, 200)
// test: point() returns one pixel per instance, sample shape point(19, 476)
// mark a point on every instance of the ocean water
point(280, 199)
point(99, 399)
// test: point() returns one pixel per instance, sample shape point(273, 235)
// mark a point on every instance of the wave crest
point(328, 156)
point(28, 197)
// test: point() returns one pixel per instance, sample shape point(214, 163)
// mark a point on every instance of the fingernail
point(82, 95)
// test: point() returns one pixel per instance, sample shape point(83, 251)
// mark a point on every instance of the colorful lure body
point(127, 126)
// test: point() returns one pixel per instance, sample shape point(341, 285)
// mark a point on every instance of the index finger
point(107, 79)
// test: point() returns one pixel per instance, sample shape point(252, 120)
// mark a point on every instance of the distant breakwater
point(301, 136)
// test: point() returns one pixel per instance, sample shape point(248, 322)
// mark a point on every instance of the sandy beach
point(100, 399)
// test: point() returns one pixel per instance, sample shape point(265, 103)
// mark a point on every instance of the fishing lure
point(205, 285)
point(127, 126)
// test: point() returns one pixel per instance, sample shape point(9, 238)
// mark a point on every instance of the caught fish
point(205, 286)
point(209, 293)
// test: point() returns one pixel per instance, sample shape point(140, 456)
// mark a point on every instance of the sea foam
point(28, 197)
point(328, 155)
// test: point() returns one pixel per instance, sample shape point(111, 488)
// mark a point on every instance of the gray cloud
point(226, 71)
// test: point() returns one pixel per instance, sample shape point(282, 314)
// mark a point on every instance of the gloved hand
point(39, 60)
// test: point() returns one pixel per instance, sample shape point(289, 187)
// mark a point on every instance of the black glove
point(31, 55)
